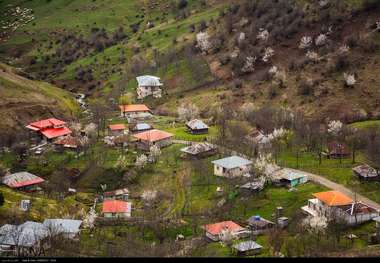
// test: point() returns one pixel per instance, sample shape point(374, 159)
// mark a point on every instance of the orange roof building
point(213, 231)
point(153, 135)
point(116, 127)
point(333, 198)
point(133, 108)
point(116, 208)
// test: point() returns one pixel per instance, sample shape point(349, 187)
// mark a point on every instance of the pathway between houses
point(322, 181)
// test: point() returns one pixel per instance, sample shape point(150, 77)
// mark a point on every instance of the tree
point(154, 153)
point(141, 161)
point(188, 111)
point(126, 99)
point(372, 151)
point(182, 4)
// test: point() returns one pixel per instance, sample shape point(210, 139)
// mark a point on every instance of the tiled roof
point(153, 135)
point(51, 133)
point(45, 123)
point(134, 108)
point(198, 148)
point(232, 162)
point(116, 127)
point(333, 198)
point(217, 228)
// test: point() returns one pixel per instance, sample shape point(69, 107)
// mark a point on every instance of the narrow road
point(330, 184)
point(338, 187)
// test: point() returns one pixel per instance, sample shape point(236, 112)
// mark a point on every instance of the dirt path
point(338, 187)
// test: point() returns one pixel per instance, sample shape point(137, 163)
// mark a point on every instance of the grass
point(181, 133)
point(366, 124)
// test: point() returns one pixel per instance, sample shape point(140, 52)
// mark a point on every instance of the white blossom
point(141, 161)
point(249, 64)
point(203, 41)
point(269, 52)
point(349, 79)
point(226, 236)
point(187, 111)
point(149, 195)
point(334, 127)
point(321, 40)
point(241, 37)
point(154, 152)
point(305, 42)
point(263, 34)
point(323, 3)
point(313, 56)
point(343, 49)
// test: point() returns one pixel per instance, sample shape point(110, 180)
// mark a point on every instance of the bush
point(182, 4)
point(305, 87)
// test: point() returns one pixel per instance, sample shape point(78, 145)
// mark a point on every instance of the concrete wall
point(230, 173)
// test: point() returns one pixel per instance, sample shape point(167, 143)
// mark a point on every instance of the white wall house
point(149, 86)
point(233, 166)
point(336, 205)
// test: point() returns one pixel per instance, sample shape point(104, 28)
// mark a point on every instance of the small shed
point(337, 150)
point(200, 150)
point(197, 126)
point(366, 172)
point(153, 137)
point(290, 178)
point(259, 225)
point(140, 127)
point(247, 248)
point(116, 129)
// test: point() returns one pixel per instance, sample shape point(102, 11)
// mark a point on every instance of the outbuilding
point(232, 166)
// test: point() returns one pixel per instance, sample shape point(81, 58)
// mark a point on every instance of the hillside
point(24, 100)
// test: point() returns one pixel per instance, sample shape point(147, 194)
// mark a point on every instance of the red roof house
point(116, 129)
point(22, 180)
point(50, 128)
point(153, 137)
point(214, 231)
point(116, 208)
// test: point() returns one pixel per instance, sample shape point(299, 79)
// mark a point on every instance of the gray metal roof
point(26, 235)
point(63, 225)
point(197, 124)
point(198, 148)
point(232, 162)
point(247, 245)
point(148, 81)
point(142, 126)
point(376, 219)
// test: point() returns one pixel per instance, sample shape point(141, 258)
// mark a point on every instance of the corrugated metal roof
point(198, 148)
point(232, 162)
point(21, 179)
point(142, 126)
point(247, 245)
point(26, 235)
point(63, 225)
point(197, 124)
point(148, 81)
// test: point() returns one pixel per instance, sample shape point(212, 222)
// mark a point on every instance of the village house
point(149, 86)
point(247, 248)
point(232, 167)
point(22, 181)
point(49, 129)
point(68, 228)
point(366, 173)
point(199, 150)
point(26, 239)
point(70, 142)
point(336, 205)
point(116, 209)
point(135, 112)
point(259, 140)
point(147, 139)
point(337, 150)
point(116, 129)
point(121, 140)
point(289, 178)
point(119, 194)
point(259, 225)
point(140, 127)
point(215, 231)
point(197, 127)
